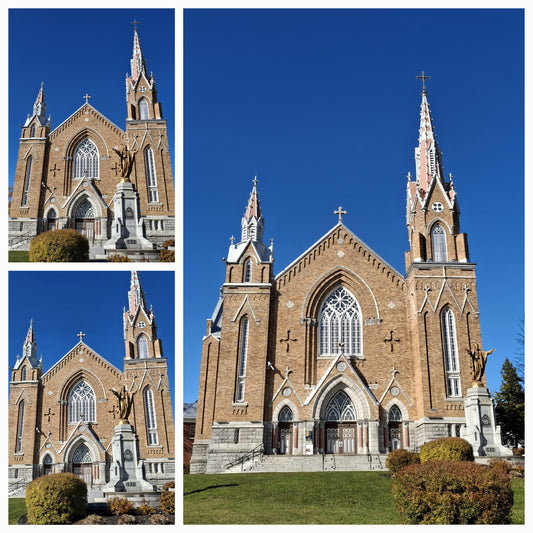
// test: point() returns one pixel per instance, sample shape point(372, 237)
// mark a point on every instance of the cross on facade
point(392, 341)
point(115, 168)
point(288, 339)
point(113, 411)
point(55, 169)
point(340, 211)
point(80, 335)
point(49, 414)
point(86, 98)
point(423, 78)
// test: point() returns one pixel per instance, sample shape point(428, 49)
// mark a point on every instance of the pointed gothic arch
point(439, 243)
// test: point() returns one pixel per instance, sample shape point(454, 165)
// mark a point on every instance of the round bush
point(56, 499)
point(447, 449)
point(452, 492)
point(119, 506)
point(397, 459)
point(167, 499)
point(60, 246)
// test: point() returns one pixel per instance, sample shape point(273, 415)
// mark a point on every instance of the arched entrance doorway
point(341, 425)
point(395, 428)
point(84, 219)
point(51, 222)
point(82, 464)
point(47, 465)
point(285, 431)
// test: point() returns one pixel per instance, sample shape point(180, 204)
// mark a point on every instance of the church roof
point(323, 238)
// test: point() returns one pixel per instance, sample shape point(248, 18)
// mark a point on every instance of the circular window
point(437, 207)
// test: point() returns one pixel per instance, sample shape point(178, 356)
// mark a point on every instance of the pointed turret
point(39, 110)
point(252, 224)
point(137, 62)
point(29, 350)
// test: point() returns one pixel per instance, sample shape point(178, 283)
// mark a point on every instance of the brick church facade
point(62, 420)
point(339, 355)
point(67, 177)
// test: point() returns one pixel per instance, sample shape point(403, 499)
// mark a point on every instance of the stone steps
point(313, 463)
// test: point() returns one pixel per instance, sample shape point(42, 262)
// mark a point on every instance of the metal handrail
point(258, 450)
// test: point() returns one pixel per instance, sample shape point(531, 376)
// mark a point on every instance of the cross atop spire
point(423, 77)
point(135, 22)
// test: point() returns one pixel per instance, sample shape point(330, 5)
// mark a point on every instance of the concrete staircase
point(311, 463)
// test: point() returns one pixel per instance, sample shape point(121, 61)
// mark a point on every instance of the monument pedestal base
point(126, 472)
point(481, 430)
point(127, 231)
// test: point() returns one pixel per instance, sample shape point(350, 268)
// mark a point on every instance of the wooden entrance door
point(341, 438)
point(86, 228)
point(84, 471)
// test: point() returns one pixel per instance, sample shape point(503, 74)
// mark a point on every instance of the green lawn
point(19, 256)
point(299, 498)
point(17, 508)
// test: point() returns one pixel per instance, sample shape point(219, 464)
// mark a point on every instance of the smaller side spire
point(252, 224)
point(39, 109)
point(29, 348)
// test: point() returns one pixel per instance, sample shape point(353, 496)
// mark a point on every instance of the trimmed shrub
point(167, 499)
point(144, 509)
point(169, 243)
point(56, 499)
point(126, 519)
point(166, 256)
point(117, 258)
point(452, 492)
point(501, 466)
point(119, 506)
point(159, 520)
point(397, 459)
point(60, 246)
point(447, 449)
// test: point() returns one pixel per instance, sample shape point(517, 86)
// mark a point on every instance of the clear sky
point(323, 105)
point(63, 303)
point(85, 51)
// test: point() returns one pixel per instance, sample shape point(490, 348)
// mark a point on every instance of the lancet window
point(340, 324)
point(86, 160)
point(243, 355)
point(285, 415)
point(27, 182)
point(20, 429)
point(438, 239)
point(81, 403)
point(451, 356)
point(143, 109)
point(151, 424)
point(340, 408)
point(150, 175)
point(142, 346)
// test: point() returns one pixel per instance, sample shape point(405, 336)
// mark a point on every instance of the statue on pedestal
point(126, 162)
point(125, 402)
point(478, 361)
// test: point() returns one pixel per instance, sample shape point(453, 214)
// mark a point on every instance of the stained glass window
point(142, 346)
point(82, 455)
point(85, 210)
point(81, 403)
point(340, 408)
point(149, 409)
point(243, 353)
point(150, 175)
point(27, 182)
point(20, 431)
point(285, 414)
point(438, 238)
point(143, 109)
point(86, 160)
point(395, 415)
point(340, 322)
point(248, 271)
point(451, 356)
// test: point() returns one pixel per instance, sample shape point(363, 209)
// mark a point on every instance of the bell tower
point(441, 280)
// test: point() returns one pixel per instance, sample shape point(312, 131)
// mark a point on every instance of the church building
point(67, 177)
point(338, 358)
point(63, 420)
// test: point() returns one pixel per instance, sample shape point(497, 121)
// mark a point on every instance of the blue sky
point(63, 303)
point(323, 105)
point(85, 51)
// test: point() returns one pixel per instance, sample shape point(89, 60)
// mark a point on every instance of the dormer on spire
point(252, 224)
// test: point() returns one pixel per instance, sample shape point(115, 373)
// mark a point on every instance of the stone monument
point(126, 472)
point(481, 430)
point(127, 231)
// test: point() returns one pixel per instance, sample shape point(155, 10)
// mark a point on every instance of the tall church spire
point(427, 154)
point(138, 64)
point(252, 224)
point(135, 295)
